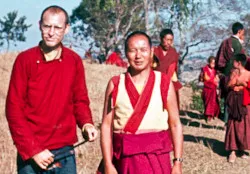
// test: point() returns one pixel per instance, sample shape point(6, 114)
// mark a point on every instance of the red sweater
point(45, 101)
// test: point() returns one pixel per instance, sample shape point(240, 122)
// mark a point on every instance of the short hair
point(136, 33)
point(236, 27)
point(240, 58)
point(55, 9)
point(210, 58)
point(164, 32)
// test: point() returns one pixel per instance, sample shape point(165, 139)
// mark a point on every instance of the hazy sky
point(32, 9)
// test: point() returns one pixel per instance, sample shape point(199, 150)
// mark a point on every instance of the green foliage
point(197, 103)
point(12, 29)
point(181, 11)
point(221, 103)
point(194, 85)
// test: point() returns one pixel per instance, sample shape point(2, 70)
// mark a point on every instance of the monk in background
point(115, 59)
point(209, 93)
point(238, 104)
point(167, 58)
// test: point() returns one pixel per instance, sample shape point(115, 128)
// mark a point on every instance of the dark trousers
point(64, 163)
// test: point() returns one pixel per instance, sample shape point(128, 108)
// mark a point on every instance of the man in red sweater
point(47, 97)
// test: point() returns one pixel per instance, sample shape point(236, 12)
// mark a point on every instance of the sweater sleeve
point(23, 137)
point(81, 101)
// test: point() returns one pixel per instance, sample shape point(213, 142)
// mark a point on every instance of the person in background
point(167, 58)
point(209, 93)
point(47, 97)
point(115, 59)
point(224, 59)
point(141, 121)
point(238, 103)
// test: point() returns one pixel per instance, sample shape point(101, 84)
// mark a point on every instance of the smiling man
point(141, 123)
point(47, 97)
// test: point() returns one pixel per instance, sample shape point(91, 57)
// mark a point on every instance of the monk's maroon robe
point(209, 95)
point(168, 63)
point(238, 126)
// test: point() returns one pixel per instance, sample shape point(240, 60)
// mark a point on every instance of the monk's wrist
point(177, 160)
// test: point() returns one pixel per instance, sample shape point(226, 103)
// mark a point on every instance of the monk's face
point(236, 64)
point(139, 53)
point(167, 41)
point(53, 28)
point(212, 64)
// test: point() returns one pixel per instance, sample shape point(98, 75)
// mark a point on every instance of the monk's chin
point(165, 48)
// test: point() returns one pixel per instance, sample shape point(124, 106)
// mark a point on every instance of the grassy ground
point(204, 142)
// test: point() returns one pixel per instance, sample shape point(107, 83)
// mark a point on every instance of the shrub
point(197, 102)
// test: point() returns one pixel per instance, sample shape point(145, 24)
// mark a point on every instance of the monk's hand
point(236, 88)
point(89, 132)
point(110, 170)
point(206, 77)
point(177, 168)
point(43, 159)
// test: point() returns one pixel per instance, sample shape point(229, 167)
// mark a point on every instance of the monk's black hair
point(55, 9)
point(166, 31)
point(240, 58)
point(236, 27)
point(210, 58)
point(136, 33)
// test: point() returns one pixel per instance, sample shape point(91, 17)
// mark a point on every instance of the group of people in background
point(229, 72)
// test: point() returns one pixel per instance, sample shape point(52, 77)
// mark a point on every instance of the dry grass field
point(204, 142)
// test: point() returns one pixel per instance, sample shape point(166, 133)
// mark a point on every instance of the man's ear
point(67, 29)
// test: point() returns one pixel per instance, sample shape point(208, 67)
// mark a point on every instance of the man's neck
point(164, 51)
point(242, 70)
point(236, 36)
point(140, 77)
point(51, 53)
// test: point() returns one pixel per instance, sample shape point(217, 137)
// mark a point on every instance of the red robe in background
point(168, 63)
point(115, 59)
point(209, 95)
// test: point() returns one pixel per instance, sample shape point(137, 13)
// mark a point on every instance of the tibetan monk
point(209, 94)
point(115, 59)
point(141, 124)
point(238, 102)
point(167, 58)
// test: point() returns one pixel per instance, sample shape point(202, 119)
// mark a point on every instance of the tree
point(106, 21)
point(12, 29)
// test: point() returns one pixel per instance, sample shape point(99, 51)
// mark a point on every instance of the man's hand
point(43, 159)
point(89, 132)
point(177, 168)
